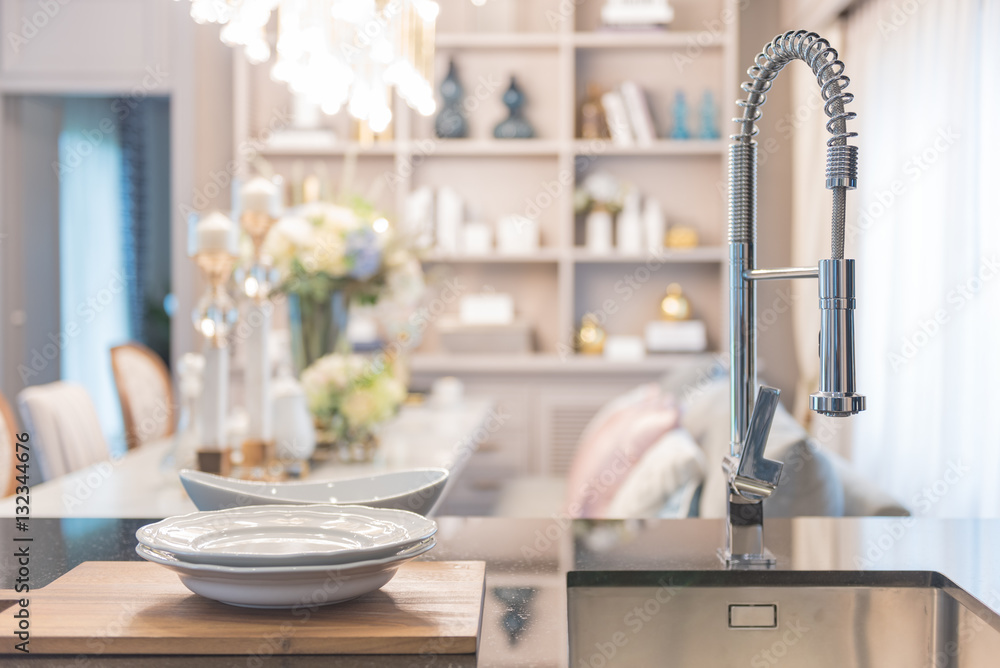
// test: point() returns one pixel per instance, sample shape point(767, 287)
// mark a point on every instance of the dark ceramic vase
point(450, 122)
point(514, 126)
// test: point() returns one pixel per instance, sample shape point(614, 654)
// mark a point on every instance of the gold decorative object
point(215, 312)
point(675, 305)
point(680, 236)
point(591, 336)
point(593, 123)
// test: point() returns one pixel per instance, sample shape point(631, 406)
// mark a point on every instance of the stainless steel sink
point(709, 619)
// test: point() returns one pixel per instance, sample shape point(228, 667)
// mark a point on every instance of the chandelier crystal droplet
point(338, 53)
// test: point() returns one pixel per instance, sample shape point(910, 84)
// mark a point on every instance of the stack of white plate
point(286, 556)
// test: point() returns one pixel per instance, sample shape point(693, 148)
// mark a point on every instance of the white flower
point(340, 218)
point(352, 392)
point(328, 251)
point(360, 408)
point(287, 239)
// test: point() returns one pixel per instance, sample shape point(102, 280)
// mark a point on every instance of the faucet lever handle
point(757, 477)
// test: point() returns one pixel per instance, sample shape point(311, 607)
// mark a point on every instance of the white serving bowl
point(417, 491)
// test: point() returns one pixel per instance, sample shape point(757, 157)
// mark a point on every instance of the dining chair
point(65, 431)
point(8, 449)
point(145, 393)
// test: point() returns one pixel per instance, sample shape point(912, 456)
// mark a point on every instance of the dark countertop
point(524, 620)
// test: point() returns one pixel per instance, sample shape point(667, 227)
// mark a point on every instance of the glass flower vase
point(318, 326)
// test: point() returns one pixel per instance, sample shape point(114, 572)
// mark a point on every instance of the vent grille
point(565, 425)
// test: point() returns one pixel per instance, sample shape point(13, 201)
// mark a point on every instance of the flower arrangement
point(599, 190)
point(328, 256)
point(350, 395)
point(321, 248)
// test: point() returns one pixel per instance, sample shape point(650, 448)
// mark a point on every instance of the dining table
point(143, 482)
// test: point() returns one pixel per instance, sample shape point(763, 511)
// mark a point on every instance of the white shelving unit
point(553, 53)
point(553, 48)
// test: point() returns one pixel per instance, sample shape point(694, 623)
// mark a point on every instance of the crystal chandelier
point(338, 53)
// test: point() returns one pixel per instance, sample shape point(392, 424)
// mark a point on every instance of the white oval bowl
point(416, 491)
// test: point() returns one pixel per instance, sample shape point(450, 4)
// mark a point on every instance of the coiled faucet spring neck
point(841, 158)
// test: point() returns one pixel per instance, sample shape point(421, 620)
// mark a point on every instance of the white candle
point(215, 233)
point(449, 220)
point(654, 224)
point(258, 195)
point(258, 378)
point(214, 398)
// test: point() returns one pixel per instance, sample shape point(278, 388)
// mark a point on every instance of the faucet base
point(744, 546)
point(747, 561)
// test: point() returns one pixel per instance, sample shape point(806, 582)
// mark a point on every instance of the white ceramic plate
point(287, 586)
point(287, 535)
point(416, 491)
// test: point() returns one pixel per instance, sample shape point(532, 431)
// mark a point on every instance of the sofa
point(657, 451)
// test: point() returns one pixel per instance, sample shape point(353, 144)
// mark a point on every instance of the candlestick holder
point(215, 312)
point(257, 277)
point(214, 317)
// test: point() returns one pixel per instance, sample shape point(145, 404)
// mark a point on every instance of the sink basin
point(842, 619)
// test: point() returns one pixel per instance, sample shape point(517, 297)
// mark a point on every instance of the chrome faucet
point(751, 477)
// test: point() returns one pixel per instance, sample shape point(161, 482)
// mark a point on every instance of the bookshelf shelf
point(660, 147)
point(615, 39)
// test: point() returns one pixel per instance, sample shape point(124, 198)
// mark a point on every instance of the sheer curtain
point(925, 229)
point(92, 282)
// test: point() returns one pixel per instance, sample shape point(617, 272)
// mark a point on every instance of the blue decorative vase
point(680, 118)
point(515, 126)
point(450, 122)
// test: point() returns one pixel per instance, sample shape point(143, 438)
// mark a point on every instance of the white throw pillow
point(674, 462)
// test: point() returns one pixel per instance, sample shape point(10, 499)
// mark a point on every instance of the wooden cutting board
point(113, 607)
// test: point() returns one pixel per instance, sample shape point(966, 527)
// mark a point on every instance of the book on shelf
point(617, 117)
point(640, 118)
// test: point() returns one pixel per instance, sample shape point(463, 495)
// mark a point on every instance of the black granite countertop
point(524, 619)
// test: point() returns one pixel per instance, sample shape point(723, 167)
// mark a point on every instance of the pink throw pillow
point(608, 451)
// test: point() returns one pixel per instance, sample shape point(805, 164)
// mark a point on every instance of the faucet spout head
point(837, 396)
